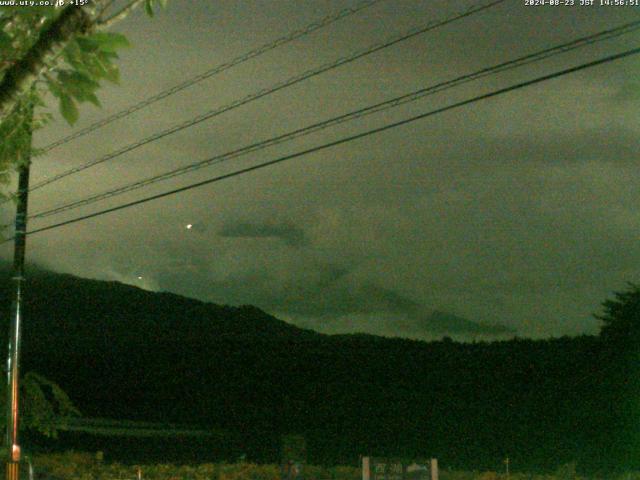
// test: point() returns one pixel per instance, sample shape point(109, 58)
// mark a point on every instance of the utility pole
point(13, 354)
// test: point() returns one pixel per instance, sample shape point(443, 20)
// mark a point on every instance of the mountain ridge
point(126, 353)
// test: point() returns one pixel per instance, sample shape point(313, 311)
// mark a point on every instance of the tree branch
point(120, 14)
point(21, 75)
point(104, 8)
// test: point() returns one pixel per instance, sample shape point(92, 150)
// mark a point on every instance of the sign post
point(376, 468)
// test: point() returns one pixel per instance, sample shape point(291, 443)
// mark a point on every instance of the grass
point(86, 466)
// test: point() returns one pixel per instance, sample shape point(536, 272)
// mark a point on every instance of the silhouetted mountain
point(122, 352)
point(442, 322)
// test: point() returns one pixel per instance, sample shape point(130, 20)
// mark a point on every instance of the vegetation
point(45, 405)
point(62, 51)
point(621, 317)
point(125, 353)
point(86, 466)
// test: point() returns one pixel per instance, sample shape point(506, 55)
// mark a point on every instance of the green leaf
point(72, 52)
point(68, 109)
point(87, 44)
point(46, 402)
point(109, 41)
point(79, 85)
point(5, 41)
point(91, 98)
point(148, 7)
point(110, 70)
point(54, 87)
point(15, 132)
point(88, 64)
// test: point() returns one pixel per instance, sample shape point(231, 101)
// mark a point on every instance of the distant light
point(189, 226)
point(139, 278)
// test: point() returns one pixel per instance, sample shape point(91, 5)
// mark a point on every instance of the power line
point(410, 97)
point(296, 34)
point(343, 140)
point(268, 91)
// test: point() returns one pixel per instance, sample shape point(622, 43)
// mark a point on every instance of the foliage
point(87, 60)
point(151, 5)
point(619, 378)
point(543, 403)
point(16, 134)
point(44, 405)
point(566, 472)
point(74, 465)
point(85, 466)
point(621, 317)
point(70, 67)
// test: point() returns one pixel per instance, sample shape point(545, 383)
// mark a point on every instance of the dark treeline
point(124, 353)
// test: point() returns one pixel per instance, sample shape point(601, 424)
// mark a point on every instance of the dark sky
point(520, 211)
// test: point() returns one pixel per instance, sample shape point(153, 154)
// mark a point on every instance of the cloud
point(347, 296)
point(517, 210)
point(447, 323)
point(290, 234)
point(627, 94)
point(394, 325)
point(335, 299)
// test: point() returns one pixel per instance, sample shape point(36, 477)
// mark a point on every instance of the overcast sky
point(520, 211)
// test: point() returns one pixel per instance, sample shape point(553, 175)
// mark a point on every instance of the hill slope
point(121, 352)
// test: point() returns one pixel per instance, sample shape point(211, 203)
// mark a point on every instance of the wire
point(410, 97)
point(296, 34)
point(343, 140)
point(267, 91)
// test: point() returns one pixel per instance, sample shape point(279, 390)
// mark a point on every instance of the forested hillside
point(124, 353)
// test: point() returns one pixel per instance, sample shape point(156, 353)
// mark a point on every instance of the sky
point(516, 215)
